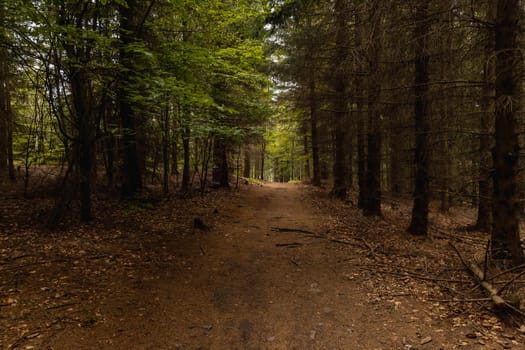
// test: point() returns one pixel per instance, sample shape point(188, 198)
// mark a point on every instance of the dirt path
point(242, 285)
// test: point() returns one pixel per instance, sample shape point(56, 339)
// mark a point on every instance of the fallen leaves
point(50, 281)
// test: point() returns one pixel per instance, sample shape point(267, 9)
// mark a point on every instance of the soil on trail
point(265, 276)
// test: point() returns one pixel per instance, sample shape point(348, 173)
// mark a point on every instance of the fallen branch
point(514, 279)
point(315, 235)
point(474, 300)
point(61, 306)
point(286, 229)
point(475, 270)
point(289, 245)
point(421, 277)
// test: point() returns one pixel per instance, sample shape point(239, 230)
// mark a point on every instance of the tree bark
point(80, 87)
point(129, 33)
point(419, 222)
point(4, 110)
point(506, 243)
point(484, 217)
point(165, 151)
point(247, 162)
point(316, 179)
point(220, 174)
point(372, 202)
point(340, 103)
point(360, 117)
point(306, 154)
point(186, 132)
point(263, 156)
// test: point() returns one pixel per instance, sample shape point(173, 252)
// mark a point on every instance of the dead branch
point(514, 279)
point(522, 266)
point(61, 306)
point(475, 270)
point(315, 235)
point(289, 245)
point(475, 300)
point(422, 277)
point(286, 229)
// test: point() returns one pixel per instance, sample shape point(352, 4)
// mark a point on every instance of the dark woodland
point(267, 174)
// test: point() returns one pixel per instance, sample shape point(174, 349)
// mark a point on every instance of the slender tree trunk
point(4, 110)
point(340, 99)
point(80, 88)
point(108, 144)
point(484, 219)
point(220, 174)
point(316, 179)
point(446, 111)
point(9, 140)
point(165, 151)
point(360, 116)
point(419, 223)
point(186, 155)
point(263, 156)
point(132, 177)
point(372, 203)
point(306, 154)
point(247, 162)
point(395, 153)
point(506, 243)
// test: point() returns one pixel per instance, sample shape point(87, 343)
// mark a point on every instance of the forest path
point(242, 285)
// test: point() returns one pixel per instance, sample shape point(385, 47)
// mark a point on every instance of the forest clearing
point(262, 174)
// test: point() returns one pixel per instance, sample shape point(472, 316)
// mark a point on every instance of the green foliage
point(204, 62)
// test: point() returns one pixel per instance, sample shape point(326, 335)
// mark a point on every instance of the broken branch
point(478, 273)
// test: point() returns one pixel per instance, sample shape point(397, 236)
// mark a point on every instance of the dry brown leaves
point(53, 280)
point(397, 265)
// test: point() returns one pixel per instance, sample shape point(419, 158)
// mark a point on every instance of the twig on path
point(395, 295)
point(370, 248)
point(333, 240)
point(289, 245)
point(422, 277)
point(61, 306)
point(207, 327)
point(294, 262)
point(22, 339)
point(286, 229)
point(474, 300)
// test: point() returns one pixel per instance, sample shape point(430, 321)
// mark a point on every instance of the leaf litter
point(55, 281)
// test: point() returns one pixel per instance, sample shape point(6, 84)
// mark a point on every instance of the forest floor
point(277, 266)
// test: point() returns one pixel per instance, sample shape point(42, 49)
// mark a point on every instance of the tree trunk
point(395, 153)
point(220, 174)
point(80, 88)
point(247, 163)
point(505, 229)
point(419, 222)
point(165, 151)
point(9, 140)
point(340, 104)
point(108, 143)
point(360, 118)
point(372, 203)
point(132, 177)
point(263, 156)
point(4, 110)
point(186, 132)
point(306, 154)
point(316, 178)
point(484, 219)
